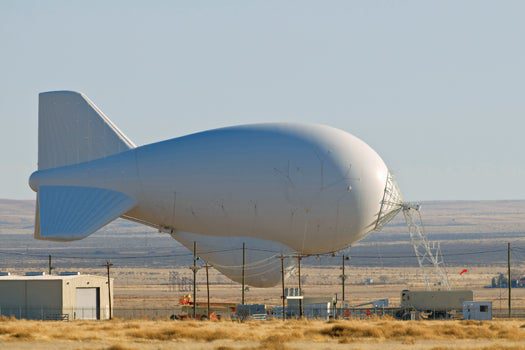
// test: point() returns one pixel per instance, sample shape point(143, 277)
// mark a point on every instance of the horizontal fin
point(67, 213)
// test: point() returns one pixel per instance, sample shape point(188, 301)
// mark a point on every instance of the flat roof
point(46, 277)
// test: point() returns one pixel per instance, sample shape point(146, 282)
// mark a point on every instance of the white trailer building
point(313, 307)
point(477, 310)
point(53, 297)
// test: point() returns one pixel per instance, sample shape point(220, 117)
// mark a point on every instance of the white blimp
point(276, 188)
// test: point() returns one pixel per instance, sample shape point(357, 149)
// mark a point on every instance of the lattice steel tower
point(428, 254)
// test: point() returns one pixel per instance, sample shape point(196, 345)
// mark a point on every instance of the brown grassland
point(356, 334)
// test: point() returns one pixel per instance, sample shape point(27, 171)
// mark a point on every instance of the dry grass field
point(369, 334)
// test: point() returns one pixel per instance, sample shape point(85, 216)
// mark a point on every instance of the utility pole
point(282, 284)
point(335, 305)
point(243, 267)
point(207, 290)
point(108, 265)
point(343, 278)
point(509, 280)
point(51, 268)
point(194, 269)
point(300, 287)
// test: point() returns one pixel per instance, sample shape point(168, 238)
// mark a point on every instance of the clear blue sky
point(437, 88)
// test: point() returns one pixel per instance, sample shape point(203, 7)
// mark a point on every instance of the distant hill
point(15, 206)
point(461, 226)
point(16, 216)
point(439, 217)
point(442, 217)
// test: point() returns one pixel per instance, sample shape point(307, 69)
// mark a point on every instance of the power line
point(117, 257)
point(454, 254)
point(259, 262)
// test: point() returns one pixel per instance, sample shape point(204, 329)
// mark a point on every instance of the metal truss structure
point(428, 253)
point(391, 204)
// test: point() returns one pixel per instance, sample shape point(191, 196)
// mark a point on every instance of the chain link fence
point(276, 312)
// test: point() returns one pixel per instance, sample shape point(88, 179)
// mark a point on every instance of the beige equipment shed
point(69, 296)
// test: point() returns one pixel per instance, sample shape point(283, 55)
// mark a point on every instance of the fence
point(41, 313)
point(70, 314)
point(55, 314)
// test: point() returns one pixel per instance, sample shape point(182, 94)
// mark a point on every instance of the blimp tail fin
point(72, 130)
point(68, 213)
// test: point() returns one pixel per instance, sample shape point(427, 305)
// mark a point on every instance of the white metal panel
point(477, 310)
point(86, 306)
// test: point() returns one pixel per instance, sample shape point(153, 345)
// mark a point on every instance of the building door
point(88, 304)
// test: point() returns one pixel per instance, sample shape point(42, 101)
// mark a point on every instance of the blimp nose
point(391, 204)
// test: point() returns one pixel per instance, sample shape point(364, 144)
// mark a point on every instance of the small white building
point(68, 296)
point(477, 310)
point(313, 307)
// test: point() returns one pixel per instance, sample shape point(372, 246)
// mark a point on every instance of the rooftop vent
point(35, 273)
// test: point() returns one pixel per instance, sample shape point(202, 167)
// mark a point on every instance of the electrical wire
point(277, 254)
point(114, 257)
point(257, 264)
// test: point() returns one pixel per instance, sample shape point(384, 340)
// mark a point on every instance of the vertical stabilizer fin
point(72, 130)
